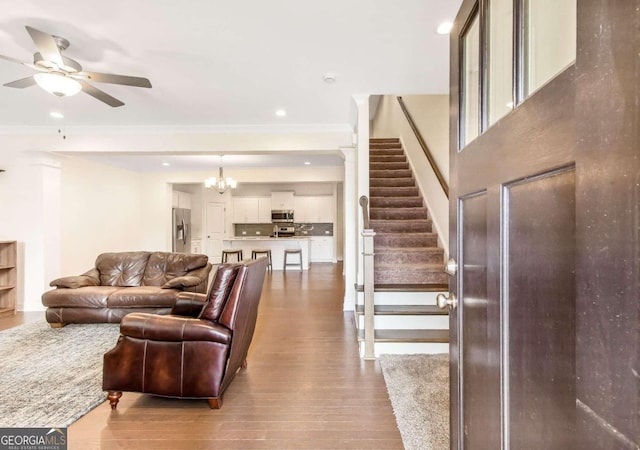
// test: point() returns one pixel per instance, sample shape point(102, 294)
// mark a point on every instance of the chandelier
point(220, 184)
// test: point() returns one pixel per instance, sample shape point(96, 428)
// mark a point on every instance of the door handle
point(451, 267)
point(444, 302)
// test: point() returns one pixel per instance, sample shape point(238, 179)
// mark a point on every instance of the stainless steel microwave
point(282, 216)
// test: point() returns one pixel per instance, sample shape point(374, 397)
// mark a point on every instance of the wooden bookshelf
point(8, 277)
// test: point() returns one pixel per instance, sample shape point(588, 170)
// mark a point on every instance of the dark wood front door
point(545, 227)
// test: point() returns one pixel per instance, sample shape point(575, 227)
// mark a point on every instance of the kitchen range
point(282, 231)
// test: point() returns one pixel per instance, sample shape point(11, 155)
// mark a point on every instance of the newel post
point(369, 328)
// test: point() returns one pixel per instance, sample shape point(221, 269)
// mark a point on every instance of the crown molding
point(178, 129)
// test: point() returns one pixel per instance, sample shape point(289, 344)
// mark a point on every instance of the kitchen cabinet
point(282, 200)
point(314, 209)
point(321, 249)
point(8, 277)
point(251, 210)
point(181, 200)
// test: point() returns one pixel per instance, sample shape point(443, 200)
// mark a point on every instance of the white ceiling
point(225, 63)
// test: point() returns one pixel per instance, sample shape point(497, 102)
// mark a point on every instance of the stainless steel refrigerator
point(181, 230)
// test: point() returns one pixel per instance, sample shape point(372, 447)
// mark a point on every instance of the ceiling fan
point(63, 76)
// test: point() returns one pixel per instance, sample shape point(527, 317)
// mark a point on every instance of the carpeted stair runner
point(406, 249)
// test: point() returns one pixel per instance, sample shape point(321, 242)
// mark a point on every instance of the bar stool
point(263, 251)
point(231, 251)
point(292, 251)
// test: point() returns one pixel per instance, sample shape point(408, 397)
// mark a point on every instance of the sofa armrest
point(182, 282)
point(75, 282)
point(189, 304)
point(173, 328)
point(202, 273)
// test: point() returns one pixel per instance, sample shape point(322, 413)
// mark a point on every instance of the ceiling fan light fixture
point(57, 84)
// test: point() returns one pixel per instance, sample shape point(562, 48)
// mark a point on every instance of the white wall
point(431, 116)
point(29, 195)
point(101, 208)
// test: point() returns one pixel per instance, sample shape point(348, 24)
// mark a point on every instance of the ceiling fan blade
point(9, 58)
point(22, 83)
point(100, 95)
point(114, 79)
point(46, 45)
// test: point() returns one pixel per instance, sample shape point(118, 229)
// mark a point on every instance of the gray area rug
point(418, 387)
point(52, 377)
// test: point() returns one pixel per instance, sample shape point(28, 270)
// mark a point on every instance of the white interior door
point(215, 230)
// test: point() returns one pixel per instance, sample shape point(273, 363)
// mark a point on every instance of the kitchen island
point(276, 245)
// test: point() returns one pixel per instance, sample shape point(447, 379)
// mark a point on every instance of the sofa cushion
point(122, 269)
point(163, 266)
point(84, 297)
point(142, 297)
point(219, 292)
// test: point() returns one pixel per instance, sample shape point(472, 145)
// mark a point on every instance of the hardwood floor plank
point(305, 387)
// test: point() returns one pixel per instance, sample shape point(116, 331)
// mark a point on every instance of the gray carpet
point(418, 387)
point(51, 377)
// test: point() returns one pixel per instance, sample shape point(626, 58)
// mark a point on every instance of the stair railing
point(425, 149)
point(368, 280)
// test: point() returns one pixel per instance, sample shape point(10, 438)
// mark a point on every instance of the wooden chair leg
point(215, 403)
point(114, 398)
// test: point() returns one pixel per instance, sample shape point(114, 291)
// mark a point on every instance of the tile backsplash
point(266, 229)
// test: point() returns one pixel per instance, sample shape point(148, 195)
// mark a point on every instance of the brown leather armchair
point(195, 354)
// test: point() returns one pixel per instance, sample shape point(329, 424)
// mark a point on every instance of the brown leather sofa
point(195, 355)
point(125, 282)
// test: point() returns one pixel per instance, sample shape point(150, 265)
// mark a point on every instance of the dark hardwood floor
point(305, 387)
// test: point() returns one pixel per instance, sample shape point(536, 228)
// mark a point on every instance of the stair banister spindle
point(368, 281)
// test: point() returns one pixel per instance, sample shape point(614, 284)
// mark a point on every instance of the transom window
point(509, 50)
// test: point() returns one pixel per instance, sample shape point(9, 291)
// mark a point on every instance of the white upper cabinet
point(251, 210)
point(181, 200)
point(316, 209)
point(282, 200)
point(264, 209)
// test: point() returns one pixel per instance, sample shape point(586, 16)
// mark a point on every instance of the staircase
point(408, 262)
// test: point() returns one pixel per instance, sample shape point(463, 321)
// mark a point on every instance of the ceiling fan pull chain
point(63, 131)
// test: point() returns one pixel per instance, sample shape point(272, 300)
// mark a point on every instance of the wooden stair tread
point(427, 287)
point(437, 336)
point(404, 310)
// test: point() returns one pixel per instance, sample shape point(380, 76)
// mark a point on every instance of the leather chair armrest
point(189, 304)
point(173, 328)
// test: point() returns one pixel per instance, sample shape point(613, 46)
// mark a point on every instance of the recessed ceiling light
point(281, 113)
point(444, 28)
point(56, 115)
point(307, 163)
point(166, 164)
